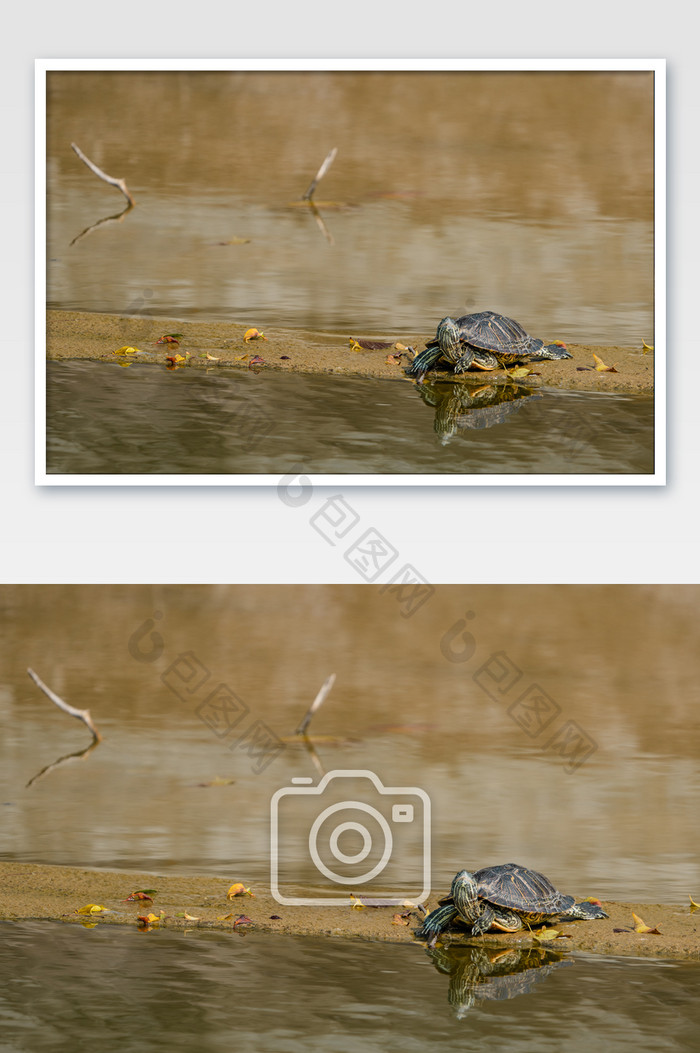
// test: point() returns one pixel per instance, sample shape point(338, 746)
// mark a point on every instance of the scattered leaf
point(139, 896)
point(519, 371)
point(253, 334)
point(243, 919)
point(211, 358)
point(357, 903)
point(600, 365)
point(646, 347)
point(218, 780)
point(240, 358)
point(545, 935)
point(170, 338)
point(369, 345)
point(285, 357)
point(401, 919)
point(126, 350)
point(224, 917)
point(640, 926)
point(256, 361)
point(239, 889)
point(93, 908)
point(693, 904)
point(401, 347)
point(391, 360)
point(593, 900)
point(187, 917)
point(146, 921)
point(275, 917)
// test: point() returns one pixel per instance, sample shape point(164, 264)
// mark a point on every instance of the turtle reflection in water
point(481, 974)
point(468, 406)
point(507, 897)
point(482, 341)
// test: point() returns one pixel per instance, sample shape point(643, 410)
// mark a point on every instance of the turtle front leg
point(465, 359)
point(484, 922)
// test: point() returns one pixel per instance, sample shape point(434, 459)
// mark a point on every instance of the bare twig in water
point(80, 755)
point(119, 183)
point(320, 174)
point(80, 714)
point(316, 704)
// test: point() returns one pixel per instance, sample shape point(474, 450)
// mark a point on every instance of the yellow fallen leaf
point(400, 919)
point(128, 351)
point(693, 904)
point(253, 334)
point(600, 365)
point(647, 347)
point(357, 903)
point(240, 358)
point(92, 908)
point(519, 371)
point(239, 889)
point(400, 347)
point(544, 935)
point(641, 926)
point(211, 358)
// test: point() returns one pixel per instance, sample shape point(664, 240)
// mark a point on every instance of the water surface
point(146, 419)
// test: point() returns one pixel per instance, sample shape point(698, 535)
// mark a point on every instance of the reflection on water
point(492, 973)
point(525, 193)
point(150, 420)
point(472, 405)
point(119, 990)
point(422, 708)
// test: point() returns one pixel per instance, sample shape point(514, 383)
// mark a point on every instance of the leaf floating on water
point(641, 926)
point(253, 334)
point(600, 365)
point(239, 889)
point(126, 350)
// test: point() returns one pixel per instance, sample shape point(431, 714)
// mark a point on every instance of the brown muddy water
point(527, 193)
point(148, 420)
point(552, 725)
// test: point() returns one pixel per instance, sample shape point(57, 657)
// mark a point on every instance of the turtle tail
point(424, 361)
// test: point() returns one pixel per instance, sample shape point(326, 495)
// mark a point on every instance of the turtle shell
point(518, 888)
point(494, 332)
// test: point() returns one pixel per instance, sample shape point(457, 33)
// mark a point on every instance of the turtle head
point(448, 338)
point(465, 894)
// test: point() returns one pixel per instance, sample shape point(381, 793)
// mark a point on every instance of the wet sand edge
point(55, 893)
point(220, 345)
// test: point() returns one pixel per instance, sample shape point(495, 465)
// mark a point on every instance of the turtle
point(506, 897)
point(482, 341)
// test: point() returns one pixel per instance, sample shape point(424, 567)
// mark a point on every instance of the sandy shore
point(208, 345)
point(55, 893)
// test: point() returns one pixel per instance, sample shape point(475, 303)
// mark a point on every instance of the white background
point(477, 534)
